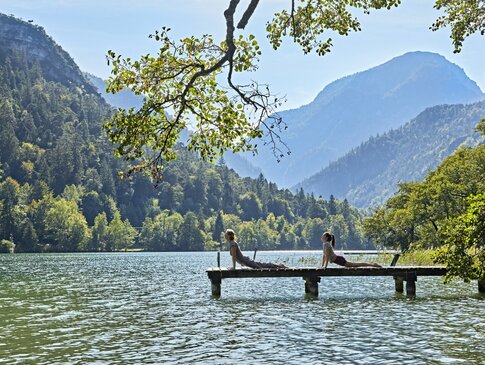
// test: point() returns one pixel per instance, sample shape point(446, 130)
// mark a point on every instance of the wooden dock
point(312, 276)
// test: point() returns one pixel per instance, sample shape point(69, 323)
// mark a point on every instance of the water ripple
point(157, 308)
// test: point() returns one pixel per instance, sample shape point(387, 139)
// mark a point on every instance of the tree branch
point(248, 14)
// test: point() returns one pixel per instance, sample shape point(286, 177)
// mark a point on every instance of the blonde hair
point(229, 234)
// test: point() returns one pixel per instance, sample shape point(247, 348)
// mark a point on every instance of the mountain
point(36, 47)
point(352, 109)
point(241, 164)
point(369, 174)
point(125, 99)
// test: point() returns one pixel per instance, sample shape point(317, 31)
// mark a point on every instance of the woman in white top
point(238, 257)
point(329, 255)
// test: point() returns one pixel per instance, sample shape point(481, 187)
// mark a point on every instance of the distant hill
point(241, 164)
point(352, 109)
point(369, 174)
point(124, 99)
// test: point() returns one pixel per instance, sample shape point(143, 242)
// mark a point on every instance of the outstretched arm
point(233, 255)
point(325, 257)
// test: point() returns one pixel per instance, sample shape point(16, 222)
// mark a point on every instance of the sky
point(87, 29)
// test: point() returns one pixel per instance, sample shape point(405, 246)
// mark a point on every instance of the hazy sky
point(87, 29)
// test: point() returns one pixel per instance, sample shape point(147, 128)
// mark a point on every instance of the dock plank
point(224, 273)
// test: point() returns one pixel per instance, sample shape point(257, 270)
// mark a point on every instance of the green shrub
point(7, 246)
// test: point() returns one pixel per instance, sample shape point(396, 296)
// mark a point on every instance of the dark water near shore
point(142, 308)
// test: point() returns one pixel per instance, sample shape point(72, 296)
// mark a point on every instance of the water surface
point(149, 308)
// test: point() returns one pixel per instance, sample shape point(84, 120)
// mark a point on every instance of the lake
point(156, 308)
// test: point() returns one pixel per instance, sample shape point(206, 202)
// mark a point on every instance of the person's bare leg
point(361, 264)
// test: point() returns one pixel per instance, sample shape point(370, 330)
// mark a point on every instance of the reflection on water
point(157, 308)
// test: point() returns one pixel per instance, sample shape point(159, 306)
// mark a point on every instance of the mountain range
point(352, 141)
point(352, 109)
point(370, 173)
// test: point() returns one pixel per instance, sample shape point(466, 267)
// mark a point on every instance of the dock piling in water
point(312, 275)
point(216, 281)
point(411, 279)
point(311, 285)
point(399, 284)
point(481, 285)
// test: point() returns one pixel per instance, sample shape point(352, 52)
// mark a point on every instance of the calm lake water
point(144, 308)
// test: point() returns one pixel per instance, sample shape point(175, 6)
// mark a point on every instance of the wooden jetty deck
point(312, 275)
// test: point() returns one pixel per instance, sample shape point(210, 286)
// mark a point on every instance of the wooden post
point(481, 285)
point(216, 280)
point(399, 284)
point(411, 278)
point(394, 259)
point(311, 285)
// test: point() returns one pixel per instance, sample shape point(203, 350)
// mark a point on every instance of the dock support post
point(481, 285)
point(311, 285)
point(399, 284)
point(411, 278)
point(216, 285)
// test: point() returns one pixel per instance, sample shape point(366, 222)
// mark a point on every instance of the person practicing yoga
point(329, 255)
point(238, 257)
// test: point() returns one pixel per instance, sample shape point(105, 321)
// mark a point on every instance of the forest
point(63, 190)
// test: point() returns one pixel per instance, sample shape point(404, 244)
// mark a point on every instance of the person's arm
point(326, 257)
point(233, 251)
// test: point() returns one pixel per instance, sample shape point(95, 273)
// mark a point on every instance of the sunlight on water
point(157, 308)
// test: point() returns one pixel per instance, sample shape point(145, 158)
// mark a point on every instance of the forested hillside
point(60, 189)
point(370, 173)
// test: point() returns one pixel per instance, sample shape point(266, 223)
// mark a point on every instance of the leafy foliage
point(464, 17)
point(464, 249)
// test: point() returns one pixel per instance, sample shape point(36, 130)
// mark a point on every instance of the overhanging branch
point(248, 14)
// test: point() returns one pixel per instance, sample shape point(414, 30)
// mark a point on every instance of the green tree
point(191, 237)
point(9, 213)
point(148, 236)
point(266, 238)
point(214, 190)
point(92, 206)
point(251, 206)
point(66, 228)
point(231, 221)
point(463, 17)
point(100, 237)
point(27, 239)
point(162, 233)
point(313, 231)
point(339, 227)
point(287, 238)
point(120, 233)
point(218, 227)
point(8, 139)
point(247, 237)
point(464, 248)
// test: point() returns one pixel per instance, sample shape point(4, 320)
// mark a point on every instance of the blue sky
point(87, 29)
